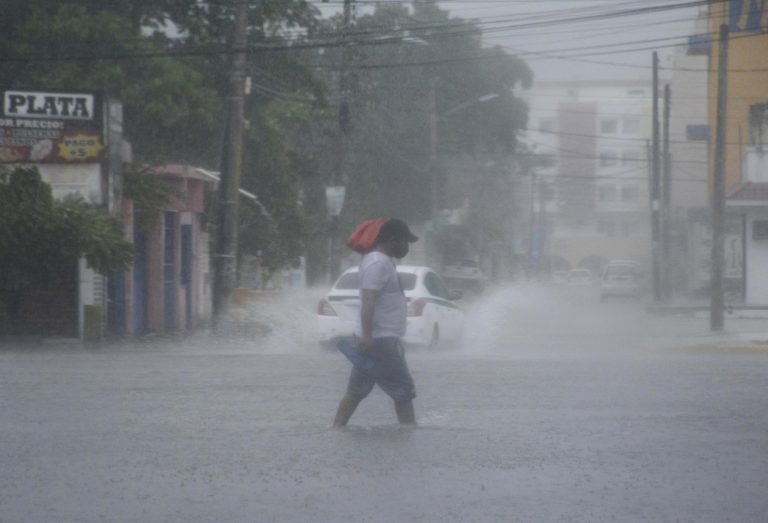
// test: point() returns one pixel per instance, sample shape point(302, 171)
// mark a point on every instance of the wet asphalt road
point(555, 409)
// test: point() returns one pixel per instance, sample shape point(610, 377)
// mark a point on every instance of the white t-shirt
point(378, 273)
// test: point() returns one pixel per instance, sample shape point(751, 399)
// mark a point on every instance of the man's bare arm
point(367, 307)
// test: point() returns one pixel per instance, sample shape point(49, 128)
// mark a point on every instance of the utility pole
point(433, 144)
point(435, 253)
point(666, 199)
point(225, 257)
point(545, 264)
point(339, 177)
point(533, 243)
point(716, 316)
point(655, 185)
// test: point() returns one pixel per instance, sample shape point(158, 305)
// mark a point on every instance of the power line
point(575, 111)
point(578, 155)
point(638, 97)
point(603, 13)
point(547, 55)
point(393, 65)
point(335, 42)
point(604, 137)
point(481, 22)
point(545, 18)
point(570, 177)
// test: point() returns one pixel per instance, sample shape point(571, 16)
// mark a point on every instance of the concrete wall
point(757, 261)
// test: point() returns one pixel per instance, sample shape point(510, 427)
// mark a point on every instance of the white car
point(433, 317)
point(621, 279)
point(580, 277)
point(465, 276)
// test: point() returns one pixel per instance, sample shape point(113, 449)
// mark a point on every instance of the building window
point(608, 158)
point(758, 124)
point(606, 193)
point(629, 158)
point(609, 126)
point(630, 193)
point(699, 44)
point(631, 125)
point(637, 92)
point(697, 132)
point(760, 230)
point(606, 228)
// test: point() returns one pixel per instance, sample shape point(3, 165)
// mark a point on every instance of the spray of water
point(518, 320)
point(281, 322)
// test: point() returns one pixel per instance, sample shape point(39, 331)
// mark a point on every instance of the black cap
point(396, 229)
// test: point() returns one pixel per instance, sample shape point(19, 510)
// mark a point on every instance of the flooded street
point(557, 408)
point(558, 209)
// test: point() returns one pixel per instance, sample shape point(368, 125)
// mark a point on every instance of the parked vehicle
point(433, 317)
point(580, 277)
point(621, 279)
point(560, 277)
point(466, 277)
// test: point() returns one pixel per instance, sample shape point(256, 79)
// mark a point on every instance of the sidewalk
point(742, 323)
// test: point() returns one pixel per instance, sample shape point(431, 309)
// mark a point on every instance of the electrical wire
point(336, 42)
point(674, 116)
point(578, 155)
point(605, 137)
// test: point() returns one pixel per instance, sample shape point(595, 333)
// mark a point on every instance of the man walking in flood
point(383, 312)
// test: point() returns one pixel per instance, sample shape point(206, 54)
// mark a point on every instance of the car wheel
point(435, 338)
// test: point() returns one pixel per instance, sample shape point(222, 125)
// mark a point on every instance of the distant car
point(433, 317)
point(560, 277)
point(580, 277)
point(621, 279)
point(465, 276)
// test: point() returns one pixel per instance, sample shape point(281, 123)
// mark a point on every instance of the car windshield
point(351, 281)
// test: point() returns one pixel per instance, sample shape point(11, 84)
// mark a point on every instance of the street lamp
point(434, 119)
point(468, 103)
point(434, 138)
point(433, 157)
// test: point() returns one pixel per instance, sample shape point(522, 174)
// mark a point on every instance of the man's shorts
point(390, 372)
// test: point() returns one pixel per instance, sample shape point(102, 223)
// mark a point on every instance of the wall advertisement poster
point(50, 127)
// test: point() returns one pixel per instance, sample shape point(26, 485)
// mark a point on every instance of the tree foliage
point(170, 110)
point(168, 61)
point(413, 53)
point(42, 238)
point(149, 193)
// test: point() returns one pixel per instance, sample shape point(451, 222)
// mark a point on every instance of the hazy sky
point(596, 48)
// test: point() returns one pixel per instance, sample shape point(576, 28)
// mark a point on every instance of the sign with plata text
point(50, 127)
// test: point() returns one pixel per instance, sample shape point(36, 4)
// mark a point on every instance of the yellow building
point(746, 138)
point(747, 76)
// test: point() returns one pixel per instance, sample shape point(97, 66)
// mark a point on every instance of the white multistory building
point(594, 203)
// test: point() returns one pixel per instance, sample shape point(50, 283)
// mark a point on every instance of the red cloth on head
point(363, 238)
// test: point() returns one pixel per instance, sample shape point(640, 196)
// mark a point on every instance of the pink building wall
point(186, 211)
